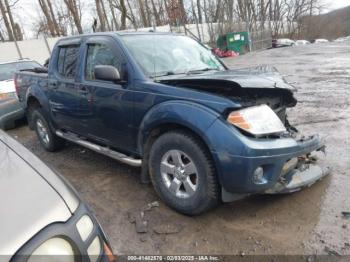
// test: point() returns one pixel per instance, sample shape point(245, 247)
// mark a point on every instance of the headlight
point(94, 250)
point(59, 248)
point(257, 120)
point(85, 226)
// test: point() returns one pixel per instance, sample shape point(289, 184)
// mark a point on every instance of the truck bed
point(28, 78)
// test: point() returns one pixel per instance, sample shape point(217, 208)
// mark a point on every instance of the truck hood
point(255, 77)
point(31, 196)
point(7, 86)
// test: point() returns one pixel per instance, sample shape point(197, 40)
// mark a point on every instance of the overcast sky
point(27, 12)
point(335, 4)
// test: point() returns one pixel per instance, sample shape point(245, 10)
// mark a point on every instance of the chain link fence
point(261, 40)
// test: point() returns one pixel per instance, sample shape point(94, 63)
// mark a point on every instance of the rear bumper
point(10, 111)
point(286, 162)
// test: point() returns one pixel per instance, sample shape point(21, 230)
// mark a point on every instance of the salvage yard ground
point(307, 222)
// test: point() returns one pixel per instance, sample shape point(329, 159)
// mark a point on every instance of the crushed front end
point(255, 148)
point(301, 171)
point(249, 165)
point(257, 151)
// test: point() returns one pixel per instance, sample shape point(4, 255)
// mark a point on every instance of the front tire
point(183, 173)
point(46, 136)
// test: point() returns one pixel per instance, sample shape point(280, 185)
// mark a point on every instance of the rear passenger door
point(63, 95)
point(110, 104)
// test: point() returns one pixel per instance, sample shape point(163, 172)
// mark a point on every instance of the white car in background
point(302, 42)
point(320, 41)
point(10, 108)
point(285, 42)
point(342, 39)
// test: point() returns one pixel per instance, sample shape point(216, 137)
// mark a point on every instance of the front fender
point(193, 116)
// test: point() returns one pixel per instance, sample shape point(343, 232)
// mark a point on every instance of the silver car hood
point(31, 196)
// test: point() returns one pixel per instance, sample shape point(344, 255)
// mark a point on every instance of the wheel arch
point(36, 98)
point(31, 104)
point(182, 114)
point(153, 126)
point(33, 101)
point(35, 93)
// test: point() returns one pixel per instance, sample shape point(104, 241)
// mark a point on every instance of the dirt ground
point(306, 222)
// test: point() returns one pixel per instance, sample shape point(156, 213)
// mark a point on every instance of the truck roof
point(115, 33)
point(144, 33)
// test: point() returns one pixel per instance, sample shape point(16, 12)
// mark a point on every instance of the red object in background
point(221, 53)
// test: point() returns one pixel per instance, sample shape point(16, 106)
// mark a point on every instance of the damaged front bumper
point(300, 172)
point(288, 164)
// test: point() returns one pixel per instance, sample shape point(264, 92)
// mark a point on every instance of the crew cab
point(201, 132)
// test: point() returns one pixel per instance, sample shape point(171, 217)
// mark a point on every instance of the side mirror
point(107, 73)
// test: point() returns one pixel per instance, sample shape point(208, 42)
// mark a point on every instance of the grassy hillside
point(331, 25)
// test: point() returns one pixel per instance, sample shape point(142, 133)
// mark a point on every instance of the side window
point(67, 61)
point(99, 54)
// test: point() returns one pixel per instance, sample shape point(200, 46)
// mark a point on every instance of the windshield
point(7, 71)
point(160, 55)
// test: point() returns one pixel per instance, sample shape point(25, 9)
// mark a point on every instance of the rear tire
point(46, 135)
point(183, 173)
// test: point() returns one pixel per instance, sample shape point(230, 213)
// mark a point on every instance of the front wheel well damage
point(159, 130)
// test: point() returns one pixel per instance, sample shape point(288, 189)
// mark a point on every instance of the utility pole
point(248, 31)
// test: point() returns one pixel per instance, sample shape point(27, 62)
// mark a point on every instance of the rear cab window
point(67, 61)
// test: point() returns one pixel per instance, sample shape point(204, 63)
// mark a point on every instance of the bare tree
point(100, 14)
point(47, 14)
point(182, 12)
point(2, 37)
point(199, 11)
point(18, 32)
point(282, 17)
point(6, 21)
point(53, 17)
point(125, 13)
point(132, 15)
point(123, 16)
point(114, 23)
point(75, 12)
point(12, 22)
point(109, 28)
point(142, 10)
point(155, 13)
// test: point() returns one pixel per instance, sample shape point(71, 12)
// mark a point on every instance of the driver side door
point(106, 107)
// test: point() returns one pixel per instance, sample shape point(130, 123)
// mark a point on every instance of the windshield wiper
point(194, 71)
point(168, 73)
point(189, 72)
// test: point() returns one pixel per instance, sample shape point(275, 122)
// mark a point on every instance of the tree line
point(66, 17)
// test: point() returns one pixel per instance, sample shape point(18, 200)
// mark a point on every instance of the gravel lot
point(306, 222)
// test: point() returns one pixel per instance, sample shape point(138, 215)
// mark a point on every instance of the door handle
point(53, 84)
point(83, 90)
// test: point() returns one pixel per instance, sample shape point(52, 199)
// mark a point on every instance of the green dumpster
point(237, 42)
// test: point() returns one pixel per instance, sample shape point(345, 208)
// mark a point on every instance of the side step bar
point(100, 149)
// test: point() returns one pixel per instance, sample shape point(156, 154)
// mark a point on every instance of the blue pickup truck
point(201, 133)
